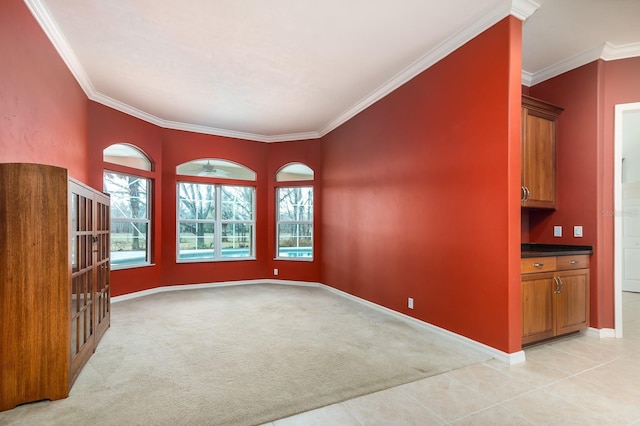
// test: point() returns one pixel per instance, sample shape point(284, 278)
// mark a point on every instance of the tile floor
point(578, 380)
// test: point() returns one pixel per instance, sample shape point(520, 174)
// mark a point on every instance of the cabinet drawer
point(531, 265)
point(573, 262)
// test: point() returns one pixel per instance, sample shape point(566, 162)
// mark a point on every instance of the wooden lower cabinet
point(537, 307)
point(572, 301)
point(54, 280)
point(554, 302)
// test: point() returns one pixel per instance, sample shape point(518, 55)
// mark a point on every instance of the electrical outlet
point(577, 231)
point(410, 303)
point(275, 271)
point(557, 231)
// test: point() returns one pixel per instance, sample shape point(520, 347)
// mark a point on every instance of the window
point(294, 172)
point(294, 222)
point(215, 222)
point(130, 218)
point(216, 168)
point(126, 155)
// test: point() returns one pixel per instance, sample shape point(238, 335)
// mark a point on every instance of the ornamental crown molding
point(522, 9)
point(605, 51)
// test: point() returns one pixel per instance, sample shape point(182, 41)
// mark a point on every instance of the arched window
point(126, 155)
point(130, 192)
point(294, 213)
point(216, 168)
point(294, 172)
point(215, 221)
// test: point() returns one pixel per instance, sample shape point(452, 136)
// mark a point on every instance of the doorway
point(626, 204)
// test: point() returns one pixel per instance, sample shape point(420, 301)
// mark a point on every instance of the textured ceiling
point(295, 69)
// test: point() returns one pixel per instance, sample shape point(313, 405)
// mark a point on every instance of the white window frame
point(218, 223)
point(146, 221)
point(295, 222)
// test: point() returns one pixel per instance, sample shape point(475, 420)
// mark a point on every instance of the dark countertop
point(536, 250)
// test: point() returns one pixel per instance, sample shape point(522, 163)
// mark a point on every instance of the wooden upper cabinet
point(538, 144)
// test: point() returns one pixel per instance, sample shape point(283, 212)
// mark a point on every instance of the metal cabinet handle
point(561, 285)
point(538, 265)
point(523, 193)
point(573, 262)
point(528, 193)
point(557, 289)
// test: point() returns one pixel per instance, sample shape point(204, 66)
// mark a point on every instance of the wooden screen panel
point(34, 283)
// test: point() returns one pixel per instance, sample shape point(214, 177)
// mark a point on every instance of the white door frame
point(617, 204)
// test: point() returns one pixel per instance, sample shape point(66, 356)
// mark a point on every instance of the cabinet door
point(101, 251)
point(82, 341)
point(538, 160)
point(572, 301)
point(537, 306)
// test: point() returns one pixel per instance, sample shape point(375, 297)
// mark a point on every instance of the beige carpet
point(241, 355)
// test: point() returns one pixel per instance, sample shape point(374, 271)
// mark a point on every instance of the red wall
point(308, 152)
point(43, 110)
point(107, 127)
point(265, 160)
point(169, 148)
point(421, 194)
point(576, 165)
point(620, 84)
point(179, 147)
point(585, 167)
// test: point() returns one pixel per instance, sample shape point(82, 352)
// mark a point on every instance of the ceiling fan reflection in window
point(212, 171)
point(215, 168)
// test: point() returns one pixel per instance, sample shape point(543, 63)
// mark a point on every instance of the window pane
point(126, 155)
point(295, 204)
point(208, 231)
point(216, 168)
point(294, 172)
point(129, 195)
point(237, 240)
point(196, 241)
point(196, 201)
point(129, 243)
point(295, 240)
point(237, 202)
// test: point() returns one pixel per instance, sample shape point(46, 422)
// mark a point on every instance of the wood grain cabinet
point(555, 296)
point(54, 280)
point(538, 151)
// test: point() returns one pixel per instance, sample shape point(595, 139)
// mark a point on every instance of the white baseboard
point(602, 333)
point(511, 359)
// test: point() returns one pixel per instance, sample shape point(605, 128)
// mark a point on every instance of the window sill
point(231, 259)
point(295, 259)
point(124, 268)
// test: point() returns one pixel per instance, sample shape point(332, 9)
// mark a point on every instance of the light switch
point(557, 231)
point(577, 231)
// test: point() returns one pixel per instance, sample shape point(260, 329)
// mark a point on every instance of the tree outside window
point(295, 222)
point(129, 218)
point(215, 222)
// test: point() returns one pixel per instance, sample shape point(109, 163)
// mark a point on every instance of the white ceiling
point(296, 69)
